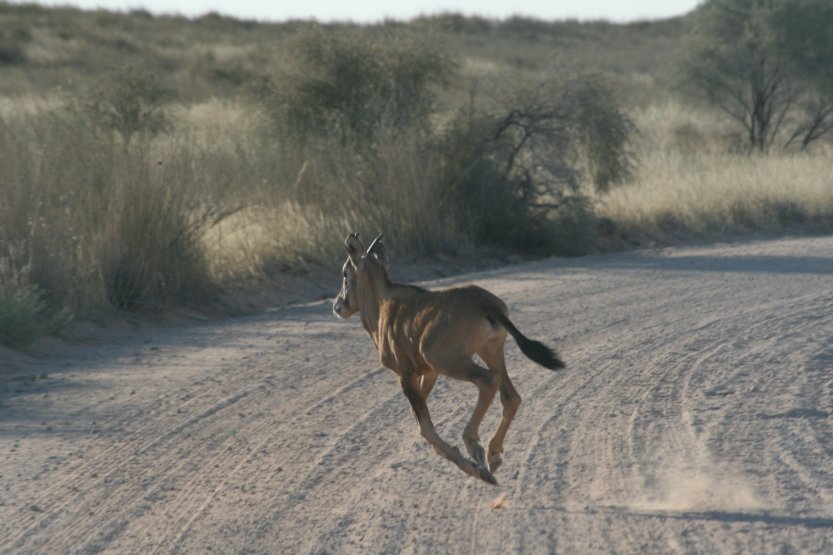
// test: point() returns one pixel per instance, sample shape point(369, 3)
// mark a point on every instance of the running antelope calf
point(421, 334)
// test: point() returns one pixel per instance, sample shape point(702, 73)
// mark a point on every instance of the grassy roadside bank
point(136, 192)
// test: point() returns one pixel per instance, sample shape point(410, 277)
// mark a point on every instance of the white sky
point(375, 10)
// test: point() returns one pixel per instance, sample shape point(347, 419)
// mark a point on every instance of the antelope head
point(363, 273)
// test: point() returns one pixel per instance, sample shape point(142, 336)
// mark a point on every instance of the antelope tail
point(534, 350)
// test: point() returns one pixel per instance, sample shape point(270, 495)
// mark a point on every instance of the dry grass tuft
point(688, 182)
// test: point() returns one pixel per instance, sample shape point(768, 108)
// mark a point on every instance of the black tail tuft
point(538, 352)
point(534, 350)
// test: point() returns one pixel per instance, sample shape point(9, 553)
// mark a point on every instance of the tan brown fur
point(421, 334)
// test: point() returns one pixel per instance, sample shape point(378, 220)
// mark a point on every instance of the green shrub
point(604, 131)
point(24, 314)
point(483, 200)
point(130, 101)
point(353, 82)
point(518, 173)
point(13, 41)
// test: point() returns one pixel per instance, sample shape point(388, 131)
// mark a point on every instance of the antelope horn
point(373, 244)
point(350, 239)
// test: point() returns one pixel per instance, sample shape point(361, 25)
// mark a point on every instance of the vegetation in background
point(130, 101)
point(13, 39)
point(24, 314)
point(520, 171)
point(766, 65)
point(804, 35)
point(508, 171)
point(352, 83)
point(98, 225)
point(147, 160)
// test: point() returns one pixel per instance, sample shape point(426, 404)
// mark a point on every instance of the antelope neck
point(373, 292)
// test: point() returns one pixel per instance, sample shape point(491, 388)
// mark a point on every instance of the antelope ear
point(354, 248)
point(380, 252)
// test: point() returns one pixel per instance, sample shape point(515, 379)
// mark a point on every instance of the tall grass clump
point(713, 195)
point(152, 251)
point(55, 174)
point(99, 225)
point(691, 181)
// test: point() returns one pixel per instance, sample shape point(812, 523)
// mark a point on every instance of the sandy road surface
point(696, 416)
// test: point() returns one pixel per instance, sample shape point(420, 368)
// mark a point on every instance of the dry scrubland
point(147, 161)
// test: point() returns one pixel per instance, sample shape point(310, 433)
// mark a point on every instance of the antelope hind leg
point(462, 367)
point(487, 384)
point(427, 381)
point(411, 388)
point(510, 401)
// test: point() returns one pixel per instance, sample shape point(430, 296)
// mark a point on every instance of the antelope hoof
point(495, 460)
point(476, 451)
point(486, 476)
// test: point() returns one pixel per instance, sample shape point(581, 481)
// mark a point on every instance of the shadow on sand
point(713, 516)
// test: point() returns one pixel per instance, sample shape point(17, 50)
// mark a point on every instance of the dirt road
point(695, 416)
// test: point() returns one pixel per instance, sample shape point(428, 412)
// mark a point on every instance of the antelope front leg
point(411, 388)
